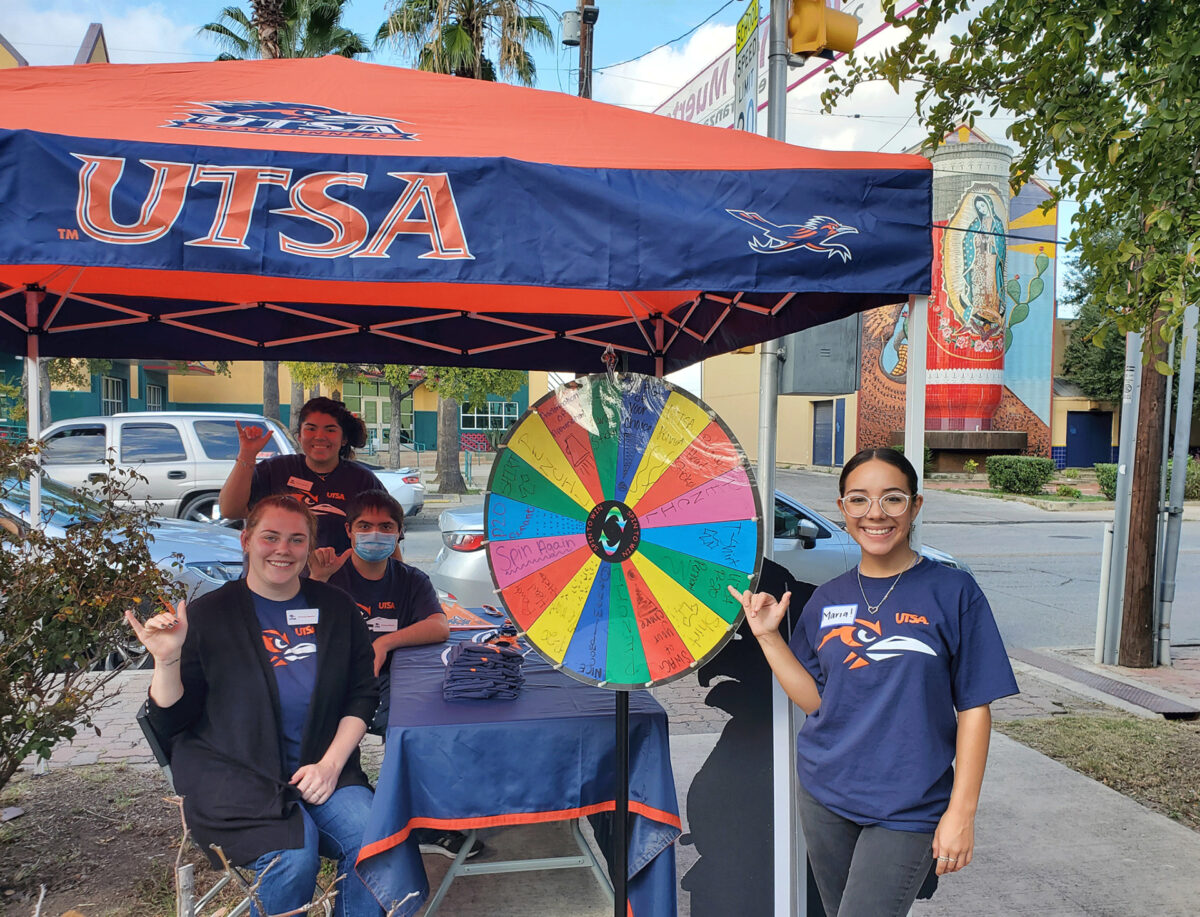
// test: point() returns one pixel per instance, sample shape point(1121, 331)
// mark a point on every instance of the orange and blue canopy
point(343, 211)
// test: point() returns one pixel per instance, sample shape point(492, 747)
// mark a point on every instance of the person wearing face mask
point(398, 602)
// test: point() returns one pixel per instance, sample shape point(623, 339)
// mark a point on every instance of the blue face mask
point(375, 546)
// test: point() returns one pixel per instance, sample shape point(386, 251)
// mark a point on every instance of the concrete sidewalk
point(1049, 841)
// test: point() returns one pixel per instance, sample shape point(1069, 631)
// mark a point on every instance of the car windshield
point(61, 506)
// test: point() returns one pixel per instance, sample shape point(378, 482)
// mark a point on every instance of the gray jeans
point(863, 870)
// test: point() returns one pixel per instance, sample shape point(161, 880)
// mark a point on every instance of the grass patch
point(999, 494)
point(1156, 762)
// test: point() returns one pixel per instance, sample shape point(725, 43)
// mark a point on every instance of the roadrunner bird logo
point(866, 643)
point(297, 118)
point(816, 234)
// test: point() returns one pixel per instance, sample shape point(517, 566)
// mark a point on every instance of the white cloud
point(51, 33)
point(648, 81)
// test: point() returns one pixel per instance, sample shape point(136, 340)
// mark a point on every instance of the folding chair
point(185, 883)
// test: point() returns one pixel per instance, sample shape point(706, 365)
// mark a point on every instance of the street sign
point(746, 69)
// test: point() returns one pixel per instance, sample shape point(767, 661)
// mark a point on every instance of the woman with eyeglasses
point(324, 477)
point(895, 664)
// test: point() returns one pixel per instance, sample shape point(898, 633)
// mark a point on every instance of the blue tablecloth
point(545, 756)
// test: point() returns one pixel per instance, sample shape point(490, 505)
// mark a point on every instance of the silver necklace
point(874, 609)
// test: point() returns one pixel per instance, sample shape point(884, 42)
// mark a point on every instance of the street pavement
point(1049, 841)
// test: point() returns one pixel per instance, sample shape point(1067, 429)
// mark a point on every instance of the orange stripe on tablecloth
point(513, 818)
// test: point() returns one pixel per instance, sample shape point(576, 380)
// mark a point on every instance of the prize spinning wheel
point(619, 511)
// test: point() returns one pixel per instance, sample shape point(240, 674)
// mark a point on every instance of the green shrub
point(1106, 476)
point(1191, 480)
point(1070, 473)
point(970, 466)
point(1066, 490)
point(1019, 474)
point(62, 601)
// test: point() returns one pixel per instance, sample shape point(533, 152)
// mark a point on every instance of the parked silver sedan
point(402, 483)
point(812, 547)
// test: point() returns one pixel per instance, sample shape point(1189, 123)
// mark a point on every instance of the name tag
point(299, 483)
point(833, 615)
point(303, 616)
point(382, 625)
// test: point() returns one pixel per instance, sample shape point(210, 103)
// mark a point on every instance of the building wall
point(731, 388)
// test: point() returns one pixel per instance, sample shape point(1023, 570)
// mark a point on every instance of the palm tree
point(480, 39)
point(284, 28)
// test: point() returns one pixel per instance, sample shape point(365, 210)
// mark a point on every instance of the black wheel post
point(620, 860)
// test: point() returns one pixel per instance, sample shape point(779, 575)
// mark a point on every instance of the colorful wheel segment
point(619, 511)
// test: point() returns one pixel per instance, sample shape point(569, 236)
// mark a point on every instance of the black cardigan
point(225, 747)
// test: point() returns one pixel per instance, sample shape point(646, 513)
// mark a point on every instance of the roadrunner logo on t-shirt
point(867, 644)
point(282, 651)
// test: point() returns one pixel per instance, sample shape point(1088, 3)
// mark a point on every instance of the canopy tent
point(336, 210)
point(339, 211)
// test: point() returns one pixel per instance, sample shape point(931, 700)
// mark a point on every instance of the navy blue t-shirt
point(880, 749)
point(403, 596)
point(292, 649)
point(326, 495)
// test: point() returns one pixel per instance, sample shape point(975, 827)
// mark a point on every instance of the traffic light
point(813, 28)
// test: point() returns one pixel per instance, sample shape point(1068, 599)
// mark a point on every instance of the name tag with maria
point(835, 615)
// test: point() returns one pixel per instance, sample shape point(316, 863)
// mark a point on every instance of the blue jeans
point(334, 830)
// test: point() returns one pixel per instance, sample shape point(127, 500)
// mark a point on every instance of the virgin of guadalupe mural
point(973, 256)
point(980, 303)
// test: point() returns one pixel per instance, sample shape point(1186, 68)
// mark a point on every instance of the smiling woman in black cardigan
point(266, 688)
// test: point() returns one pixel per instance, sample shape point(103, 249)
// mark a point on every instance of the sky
point(143, 31)
point(630, 67)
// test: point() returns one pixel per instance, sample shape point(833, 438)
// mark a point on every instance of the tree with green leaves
point(284, 28)
point(1104, 92)
point(478, 39)
point(331, 375)
point(457, 385)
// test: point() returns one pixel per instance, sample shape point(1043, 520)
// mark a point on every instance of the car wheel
point(207, 508)
point(128, 656)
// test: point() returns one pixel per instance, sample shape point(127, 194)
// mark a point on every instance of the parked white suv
point(185, 456)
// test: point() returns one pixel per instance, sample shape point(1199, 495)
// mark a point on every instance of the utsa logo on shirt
point(281, 649)
point(866, 643)
point(310, 500)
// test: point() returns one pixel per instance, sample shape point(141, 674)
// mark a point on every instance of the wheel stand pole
point(619, 866)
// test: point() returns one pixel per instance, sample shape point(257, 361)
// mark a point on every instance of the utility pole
point(588, 14)
point(1137, 616)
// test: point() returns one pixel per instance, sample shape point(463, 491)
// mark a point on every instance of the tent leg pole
point(914, 397)
point(33, 423)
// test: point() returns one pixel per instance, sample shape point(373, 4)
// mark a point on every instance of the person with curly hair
point(324, 477)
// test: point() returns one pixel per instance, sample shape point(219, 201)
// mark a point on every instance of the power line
point(671, 42)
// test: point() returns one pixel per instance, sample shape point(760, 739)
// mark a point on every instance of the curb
point(1191, 508)
point(1051, 506)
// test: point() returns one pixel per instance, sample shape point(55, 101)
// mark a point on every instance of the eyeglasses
point(892, 504)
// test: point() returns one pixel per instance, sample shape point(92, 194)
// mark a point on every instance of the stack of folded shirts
point(482, 670)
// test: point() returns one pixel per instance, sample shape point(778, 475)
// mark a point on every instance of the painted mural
point(991, 321)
